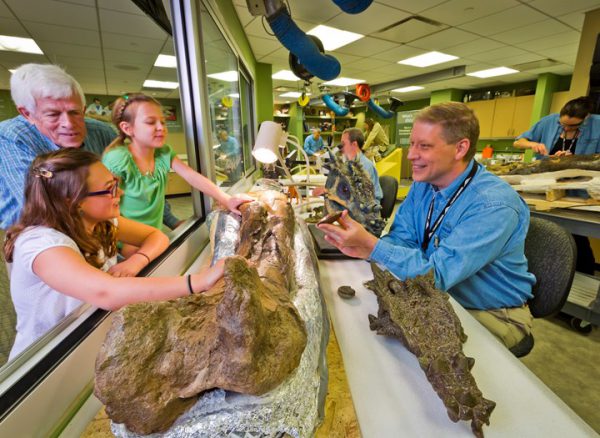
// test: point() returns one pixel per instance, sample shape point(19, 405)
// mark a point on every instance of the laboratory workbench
point(391, 394)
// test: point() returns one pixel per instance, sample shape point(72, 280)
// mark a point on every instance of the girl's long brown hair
point(124, 110)
point(56, 184)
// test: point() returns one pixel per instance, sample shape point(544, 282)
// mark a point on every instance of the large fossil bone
point(243, 335)
point(424, 321)
point(562, 173)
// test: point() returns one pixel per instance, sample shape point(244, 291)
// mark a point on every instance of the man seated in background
point(459, 221)
point(230, 156)
point(352, 141)
point(313, 143)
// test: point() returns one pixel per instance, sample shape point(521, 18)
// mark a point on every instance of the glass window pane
point(224, 103)
point(115, 56)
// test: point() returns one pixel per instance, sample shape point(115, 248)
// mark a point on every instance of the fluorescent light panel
point(294, 94)
point(498, 71)
point(168, 61)
point(149, 83)
point(344, 82)
point(235, 95)
point(333, 38)
point(227, 76)
point(285, 75)
point(408, 89)
point(17, 44)
point(427, 59)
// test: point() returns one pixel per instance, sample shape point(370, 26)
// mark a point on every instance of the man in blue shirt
point(313, 142)
point(351, 146)
point(459, 221)
point(231, 155)
point(51, 105)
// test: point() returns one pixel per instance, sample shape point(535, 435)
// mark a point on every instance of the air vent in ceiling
point(410, 29)
point(534, 65)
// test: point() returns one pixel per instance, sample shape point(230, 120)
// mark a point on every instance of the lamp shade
point(267, 142)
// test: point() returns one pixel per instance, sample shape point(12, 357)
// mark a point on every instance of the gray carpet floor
point(564, 359)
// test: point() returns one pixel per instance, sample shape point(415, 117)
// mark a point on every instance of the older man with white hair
point(51, 107)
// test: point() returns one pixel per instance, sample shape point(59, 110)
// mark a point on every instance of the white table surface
point(392, 396)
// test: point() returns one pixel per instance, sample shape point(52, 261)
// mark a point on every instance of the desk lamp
point(269, 140)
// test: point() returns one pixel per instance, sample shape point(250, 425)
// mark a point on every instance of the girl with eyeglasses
point(142, 160)
point(573, 131)
point(63, 249)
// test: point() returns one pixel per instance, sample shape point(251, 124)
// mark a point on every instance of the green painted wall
point(235, 28)
point(547, 84)
point(264, 92)
point(449, 95)
point(7, 108)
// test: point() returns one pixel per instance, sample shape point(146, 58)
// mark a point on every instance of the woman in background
point(376, 140)
point(572, 131)
point(63, 248)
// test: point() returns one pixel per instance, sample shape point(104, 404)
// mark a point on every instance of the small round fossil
point(346, 292)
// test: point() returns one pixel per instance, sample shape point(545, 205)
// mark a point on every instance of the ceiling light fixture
point(408, 89)
point(490, 72)
point(227, 76)
point(168, 61)
point(286, 75)
point(344, 82)
point(17, 44)
point(235, 95)
point(294, 94)
point(427, 59)
point(149, 83)
point(333, 38)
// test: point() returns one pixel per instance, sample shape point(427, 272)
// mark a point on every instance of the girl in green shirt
point(143, 164)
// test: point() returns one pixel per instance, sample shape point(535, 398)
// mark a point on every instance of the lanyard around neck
point(430, 231)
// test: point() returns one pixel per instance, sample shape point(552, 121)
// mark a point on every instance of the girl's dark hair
point(124, 110)
point(370, 123)
point(56, 184)
point(579, 108)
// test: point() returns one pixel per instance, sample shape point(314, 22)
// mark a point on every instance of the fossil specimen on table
point(243, 335)
point(549, 164)
point(554, 175)
point(424, 321)
point(350, 187)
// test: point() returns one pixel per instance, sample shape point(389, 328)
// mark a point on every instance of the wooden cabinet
point(176, 185)
point(501, 118)
point(512, 116)
point(484, 110)
point(522, 116)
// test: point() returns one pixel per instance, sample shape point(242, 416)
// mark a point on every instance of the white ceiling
point(110, 45)
point(482, 33)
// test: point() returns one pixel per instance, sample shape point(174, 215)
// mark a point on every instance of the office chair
point(389, 186)
point(552, 256)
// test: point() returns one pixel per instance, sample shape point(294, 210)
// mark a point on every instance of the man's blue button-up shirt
point(477, 252)
point(311, 145)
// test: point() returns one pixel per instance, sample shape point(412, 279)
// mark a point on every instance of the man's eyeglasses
point(570, 125)
point(112, 191)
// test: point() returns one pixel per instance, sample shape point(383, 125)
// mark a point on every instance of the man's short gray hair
point(37, 81)
point(355, 134)
point(315, 129)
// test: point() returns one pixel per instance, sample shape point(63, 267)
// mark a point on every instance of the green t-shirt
point(144, 197)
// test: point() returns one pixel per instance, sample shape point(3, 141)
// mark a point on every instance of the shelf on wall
point(329, 117)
